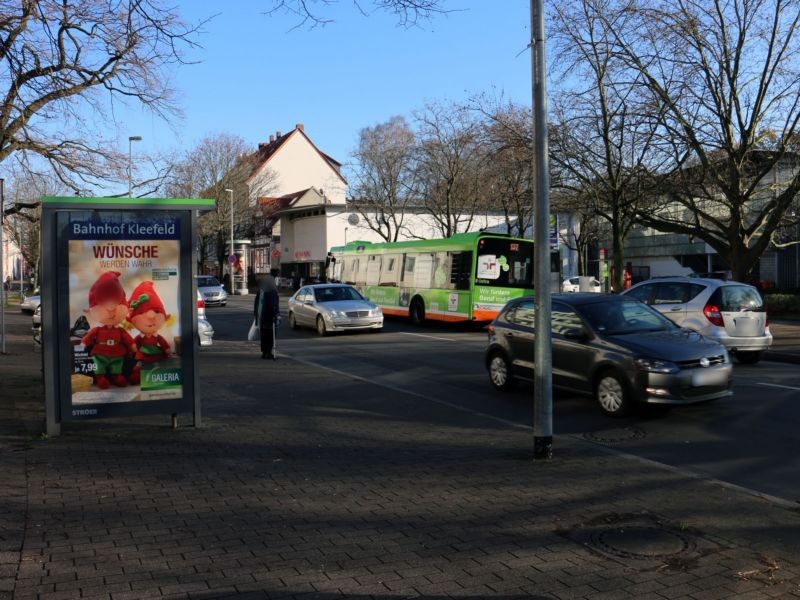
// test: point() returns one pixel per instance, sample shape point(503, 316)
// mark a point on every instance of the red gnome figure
point(109, 343)
point(148, 316)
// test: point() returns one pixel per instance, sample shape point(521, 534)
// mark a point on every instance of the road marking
point(703, 477)
point(401, 390)
point(777, 385)
point(574, 438)
point(433, 337)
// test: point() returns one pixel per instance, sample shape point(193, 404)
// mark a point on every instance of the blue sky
point(258, 75)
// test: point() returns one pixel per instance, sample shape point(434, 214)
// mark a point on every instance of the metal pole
point(230, 262)
point(131, 139)
point(543, 377)
point(3, 294)
point(21, 255)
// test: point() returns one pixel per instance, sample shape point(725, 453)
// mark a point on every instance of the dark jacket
point(267, 307)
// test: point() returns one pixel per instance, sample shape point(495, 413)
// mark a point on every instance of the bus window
point(361, 273)
point(373, 269)
point(460, 271)
point(423, 271)
point(408, 268)
point(442, 271)
point(349, 275)
point(389, 270)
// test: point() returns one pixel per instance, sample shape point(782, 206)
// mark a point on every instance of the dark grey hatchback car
point(615, 348)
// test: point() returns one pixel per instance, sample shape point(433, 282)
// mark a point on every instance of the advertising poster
point(124, 275)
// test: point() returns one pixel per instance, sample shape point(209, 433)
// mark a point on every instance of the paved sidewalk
point(309, 484)
point(785, 342)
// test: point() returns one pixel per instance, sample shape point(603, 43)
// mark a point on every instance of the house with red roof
point(303, 209)
point(301, 196)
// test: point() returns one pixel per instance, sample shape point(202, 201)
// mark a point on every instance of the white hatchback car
point(573, 284)
point(729, 312)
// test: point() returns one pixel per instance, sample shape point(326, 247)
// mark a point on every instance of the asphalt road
point(750, 439)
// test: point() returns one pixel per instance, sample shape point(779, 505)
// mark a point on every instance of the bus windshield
point(504, 263)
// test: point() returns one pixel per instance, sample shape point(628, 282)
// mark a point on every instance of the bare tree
point(450, 166)
point(58, 59)
point(219, 162)
point(24, 192)
point(585, 233)
point(726, 75)
point(508, 148)
point(602, 139)
point(385, 172)
point(407, 12)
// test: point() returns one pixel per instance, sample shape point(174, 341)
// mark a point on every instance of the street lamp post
point(230, 262)
point(131, 139)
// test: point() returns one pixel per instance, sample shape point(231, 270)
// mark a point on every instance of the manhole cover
point(637, 541)
point(614, 436)
point(651, 541)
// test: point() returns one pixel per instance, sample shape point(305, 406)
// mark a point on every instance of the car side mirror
point(575, 333)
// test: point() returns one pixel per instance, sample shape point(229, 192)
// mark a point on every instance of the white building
point(11, 258)
point(302, 196)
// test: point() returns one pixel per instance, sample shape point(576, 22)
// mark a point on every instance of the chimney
point(277, 134)
point(300, 127)
point(271, 139)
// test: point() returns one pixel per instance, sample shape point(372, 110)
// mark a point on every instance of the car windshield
point(335, 294)
point(207, 282)
point(624, 317)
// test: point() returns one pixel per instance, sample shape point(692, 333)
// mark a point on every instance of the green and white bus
point(466, 277)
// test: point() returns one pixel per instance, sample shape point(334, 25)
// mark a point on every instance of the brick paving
point(309, 484)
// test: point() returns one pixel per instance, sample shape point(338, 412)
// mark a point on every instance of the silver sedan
point(29, 304)
point(333, 307)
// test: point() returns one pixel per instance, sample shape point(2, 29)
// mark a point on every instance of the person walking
point(267, 314)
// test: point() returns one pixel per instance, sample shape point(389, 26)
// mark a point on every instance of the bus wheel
point(417, 311)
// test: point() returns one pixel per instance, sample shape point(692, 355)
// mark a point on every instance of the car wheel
point(321, 329)
point(500, 372)
point(292, 321)
point(612, 394)
point(748, 358)
point(417, 311)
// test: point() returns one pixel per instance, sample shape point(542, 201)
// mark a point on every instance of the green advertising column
point(119, 310)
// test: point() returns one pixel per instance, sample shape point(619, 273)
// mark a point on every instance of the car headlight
point(338, 314)
point(375, 312)
point(654, 365)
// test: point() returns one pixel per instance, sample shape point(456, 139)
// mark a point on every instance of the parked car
point(211, 289)
point(617, 349)
point(333, 307)
point(205, 332)
point(36, 324)
point(29, 304)
point(729, 312)
point(572, 284)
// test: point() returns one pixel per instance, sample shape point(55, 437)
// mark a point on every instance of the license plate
point(747, 327)
point(711, 377)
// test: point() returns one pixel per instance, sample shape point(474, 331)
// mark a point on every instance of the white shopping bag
point(252, 335)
